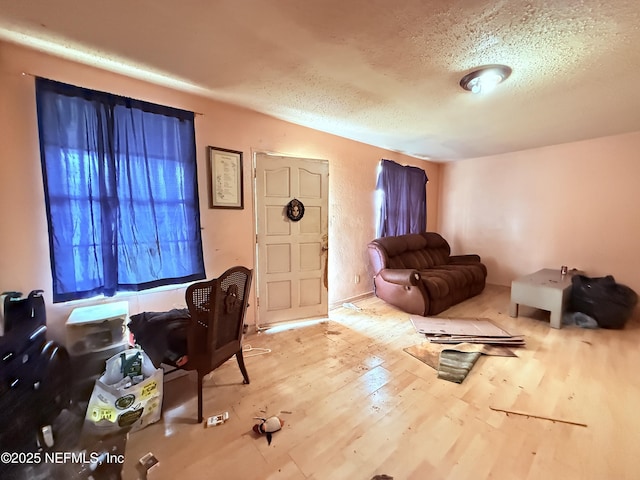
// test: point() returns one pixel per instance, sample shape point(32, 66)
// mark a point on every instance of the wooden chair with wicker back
point(214, 334)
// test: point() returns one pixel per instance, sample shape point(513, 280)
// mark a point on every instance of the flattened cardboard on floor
point(504, 341)
point(474, 327)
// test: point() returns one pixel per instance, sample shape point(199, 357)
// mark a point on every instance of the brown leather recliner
point(418, 274)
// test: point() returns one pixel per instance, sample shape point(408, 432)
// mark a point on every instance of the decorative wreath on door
point(295, 210)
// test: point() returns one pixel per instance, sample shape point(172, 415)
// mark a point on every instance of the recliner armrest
point(463, 259)
point(400, 276)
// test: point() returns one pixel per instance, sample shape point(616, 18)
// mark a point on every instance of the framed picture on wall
point(225, 178)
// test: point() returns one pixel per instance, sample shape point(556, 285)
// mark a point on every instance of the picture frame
point(225, 178)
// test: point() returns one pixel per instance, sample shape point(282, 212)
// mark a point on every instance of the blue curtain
point(403, 199)
point(121, 192)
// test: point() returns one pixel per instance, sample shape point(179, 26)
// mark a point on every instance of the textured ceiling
point(382, 72)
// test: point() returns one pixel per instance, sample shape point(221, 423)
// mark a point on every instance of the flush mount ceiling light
point(485, 79)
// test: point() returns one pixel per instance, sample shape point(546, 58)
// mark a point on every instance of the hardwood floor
point(356, 405)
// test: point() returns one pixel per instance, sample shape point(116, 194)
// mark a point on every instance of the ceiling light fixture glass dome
point(484, 79)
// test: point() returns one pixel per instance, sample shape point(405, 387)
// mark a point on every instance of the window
point(121, 192)
point(402, 199)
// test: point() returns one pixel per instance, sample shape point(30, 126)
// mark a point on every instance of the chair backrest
point(217, 308)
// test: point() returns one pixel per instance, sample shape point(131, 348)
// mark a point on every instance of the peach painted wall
point(574, 204)
point(228, 235)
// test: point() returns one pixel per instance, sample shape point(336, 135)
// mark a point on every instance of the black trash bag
point(162, 335)
point(610, 303)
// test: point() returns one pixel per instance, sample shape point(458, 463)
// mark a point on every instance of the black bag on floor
point(610, 303)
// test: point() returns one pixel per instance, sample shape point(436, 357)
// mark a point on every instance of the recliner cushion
point(472, 273)
point(418, 250)
point(441, 282)
point(447, 285)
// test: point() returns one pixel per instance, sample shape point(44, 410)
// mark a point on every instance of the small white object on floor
point(145, 465)
point(254, 351)
point(217, 419)
point(352, 306)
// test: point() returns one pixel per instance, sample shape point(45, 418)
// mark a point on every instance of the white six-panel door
point(291, 266)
